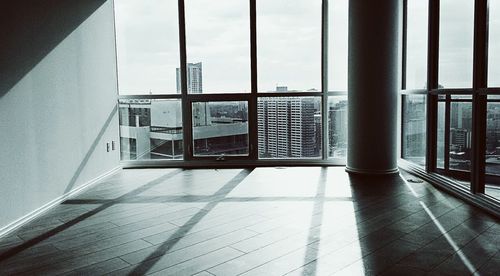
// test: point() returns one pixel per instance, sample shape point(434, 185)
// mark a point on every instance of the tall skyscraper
point(337, 129)
point(414, 132)
point(286, 127)
point(281, 88)
point(194, 78)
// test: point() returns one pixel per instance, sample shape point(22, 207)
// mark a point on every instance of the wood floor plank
point(263, 222)
point(68, 262)
point(101, 268)
point(155, 262)
point(201, 263)
point(175, 242)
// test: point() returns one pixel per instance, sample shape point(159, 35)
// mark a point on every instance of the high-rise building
point(493, 129)
point(194, 78)
point(281, 88)
point(337, 129)
point(414, 121)
point(460, 139)
point(287, 127)
point(461, 115)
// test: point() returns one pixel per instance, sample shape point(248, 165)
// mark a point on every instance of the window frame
point(435, 94)
point(189, 160)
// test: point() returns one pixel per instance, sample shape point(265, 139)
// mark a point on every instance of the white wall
point(57, 102)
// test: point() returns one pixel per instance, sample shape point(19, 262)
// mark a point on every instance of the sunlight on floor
point(450, 241)
point(462, 256)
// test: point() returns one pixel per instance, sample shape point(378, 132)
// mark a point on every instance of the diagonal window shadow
point(163, 249)
point(91, 150)
point(190, 198)
point(32, 29)
point(32, 242)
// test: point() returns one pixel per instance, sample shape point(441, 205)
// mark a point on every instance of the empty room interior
point(250, 137)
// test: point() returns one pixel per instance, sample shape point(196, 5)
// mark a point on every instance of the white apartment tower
point(286, 127)
point(194, 78)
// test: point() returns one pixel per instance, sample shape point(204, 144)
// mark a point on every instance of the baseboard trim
point(38, 212)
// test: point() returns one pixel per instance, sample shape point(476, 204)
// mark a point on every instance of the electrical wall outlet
point(113, 147)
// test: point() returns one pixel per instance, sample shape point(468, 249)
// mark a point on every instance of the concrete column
point(374, 37)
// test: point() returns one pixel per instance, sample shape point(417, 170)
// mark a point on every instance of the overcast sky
point(289, 44)
point(494, 44)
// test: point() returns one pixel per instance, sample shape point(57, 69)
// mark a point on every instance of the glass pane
point(456, 43)
point(337, 44)
point(218, 46)
point(460, 135)
point(414, 128)
point(147, 46)
point(440, 135)
point(337, 127)
point(220, 128)
point(289, 127)
point(493, 149)
point(416, 47)
point(150, 129)
point(289, 45)
point(494, 43)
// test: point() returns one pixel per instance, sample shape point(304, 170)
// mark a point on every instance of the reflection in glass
point(147, 46)
point(337, 44)
point(414, 128)
point(460, 135)
point(456, 43)
point(150, 129)
point(337, 127)
point(218, 45)
point(220, 128)
point(494, 43)
point(289, 127)
point(416, 44)
point(289, 45)
point(440, 135)
point(493, 148)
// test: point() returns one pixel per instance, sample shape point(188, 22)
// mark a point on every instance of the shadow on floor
point(36, 240)
point(163, 249)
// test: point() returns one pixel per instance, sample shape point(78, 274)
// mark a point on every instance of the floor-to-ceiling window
point(150, 107)
point(289, 110)
point(248, 80)
point(450, 96)
point(414, 87)
point(492, 155)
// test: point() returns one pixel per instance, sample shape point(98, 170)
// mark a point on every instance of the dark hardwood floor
point(266, 221)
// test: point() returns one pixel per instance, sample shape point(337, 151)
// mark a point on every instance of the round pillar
point(374, 82)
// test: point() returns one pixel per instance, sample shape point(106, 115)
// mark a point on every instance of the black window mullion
point(432, 83)
point(479, 100)
point(405, 42)
point(324, 79)
point(186, 106)
point(447, 129)
point(252, 104)
point(403, 76)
